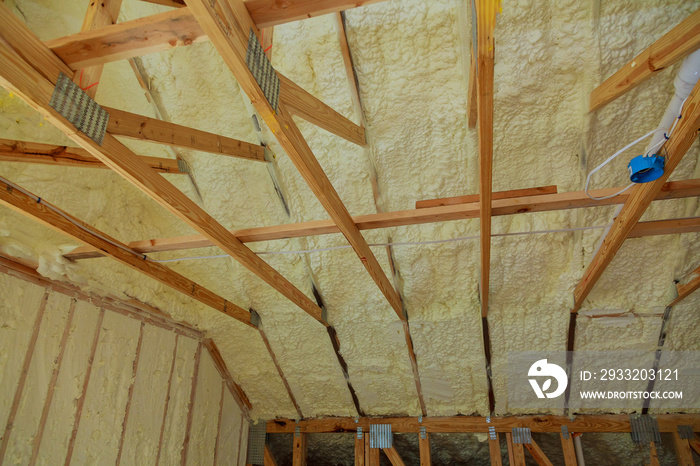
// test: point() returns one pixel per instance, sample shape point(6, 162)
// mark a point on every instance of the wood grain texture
point(268, 458)
point(653, 455)
point(424, 450)
point(266, 13)
point(641, 196)
point(687, 289)
point(673, 46)
point(22, 78)
point(457, 424)
point(562, 201)
point(567, 446)
point(360, 449)
point(100, 13)
point(495, 450)
point(134, 126)
point(304, 105)
point(684, 455)
point(62, 222)
point(49, 154)
point(509, 444)
point(299, 450)
point(518, 454)
point(494, 196)
point(537, 454)
point(393, 456)
point(472, 109)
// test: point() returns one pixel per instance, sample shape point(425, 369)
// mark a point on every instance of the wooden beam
point(49, 154)
point(349, 68)
point(618, 423)
point(562, 201)
point(537, 454)
point(266, 13)
point(653, 456)
point(299, 452)
point(472, 110)
point(414, 367)
point(134, 126)
point(640, 197)
point(371, 454)
point(171, 3)
point(99, 14)
point(63, 222)
point(567, 445)
point(227, 23)
point(494, 196)
point(686, 290)
point(23, 79)
point(304, 105)
point(495, 450)
point(238, 394)
point(266, 40)
point(673, 46)
point(269, 459)
point(360, 449)
point(393, 456)
point(509, 445)
point(683, 453)
point(485, 22)
point(424, 449)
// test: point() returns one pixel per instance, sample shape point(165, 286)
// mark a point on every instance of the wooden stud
point(304, 105)
point(424, 449)
point(371, 454)
point(673, 46)
point(509, 444)
point(495, 450)
point(36, 442)
point(190, 406)
point(360, 449)
point(167, 399)
point(518, 454)
point(613, 423)
point(83, 392)
point(23, 377)
point(49, 154)
point(62, 222)
point(683, 137)
point(134, 370)
point(280, 372)
point(485, 21)
point(683, 453)
point(268, 458)
point(134, 126)
point(686, 290)
point(472, 109)
point(545, 203)
point(21, 78)
point(218, 423)
point(497, 195)
point(567, 445)
point(299, 450)
point(99, 14)
point(238, 394)
point(538, 454)
point(393, 456)
point(653, 456)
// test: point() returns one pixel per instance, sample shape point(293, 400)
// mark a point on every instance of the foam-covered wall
point(51, 336)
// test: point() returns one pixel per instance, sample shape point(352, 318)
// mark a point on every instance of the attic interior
point(245, 232)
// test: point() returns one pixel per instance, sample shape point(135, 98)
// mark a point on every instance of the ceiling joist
point(673, 46)
point(66, 224)
point(562, 201)
point(49, 154)
point(641, 196)
point(538, 191)
point(29, 69)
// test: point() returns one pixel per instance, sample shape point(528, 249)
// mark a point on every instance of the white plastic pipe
point(685, 81)
point(579, 451)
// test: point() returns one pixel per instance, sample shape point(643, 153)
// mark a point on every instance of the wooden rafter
point(49, 154)
point(99, 14)
point(227, 23)
point(538, 191)
point(237, 392)
point(393, 456)
point(64, 223)
point(28, 68)
point(133, 126)
point(641, 196)
point(687, 289)
point(673, 46)
point(472, 110)
point(485, 11)
point(473, 424)
point(676, 190)
point(537, 454)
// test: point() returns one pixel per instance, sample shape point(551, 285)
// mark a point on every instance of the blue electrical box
point(645, 169)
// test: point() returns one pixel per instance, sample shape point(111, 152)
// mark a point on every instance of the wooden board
point(134, 126)
point(49, 154)
point(424, 449)
point(360, 449)
point(567, 445)
point(269, 459)
point(687, 289)
point(653, 456)
point(537, 454)
point(393, 456)
point(472, 110)
point(495, 451)
point(266, 13)
point(673, 46)
point(497, 195)
point(299, 450)
point(641, 196)
point(238, 394)
point(683, 453)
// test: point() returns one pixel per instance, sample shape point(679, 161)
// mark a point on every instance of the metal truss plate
point(257, 437)
point(686, 432)
point(565, 432)
point(380, 436)
point(522, 435)
point(645, 429)
point(423, 432)
point(492, 433)
point(80, 109)
point(261, 68)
